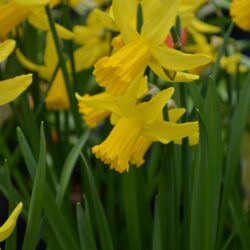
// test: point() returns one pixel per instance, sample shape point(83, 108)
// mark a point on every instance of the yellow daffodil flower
point(231, 63)
point(145, 48)
point(228, 63)
point(133, 120)
point(16, 11)
point(7, 228)
point(94, 40)
point(11, 88)
point(240, 12)
point(57, 98)
point(189, 20)
point(94, 115)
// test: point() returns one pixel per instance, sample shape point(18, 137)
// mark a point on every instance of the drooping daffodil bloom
point(94, 115)
point(11, 88)
point(240, 12)
point(145, 47)
point(15, 12)
point(7, 228)
point(134, 122)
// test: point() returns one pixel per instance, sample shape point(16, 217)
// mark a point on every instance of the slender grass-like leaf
point(84, 225)
point(59, 225)
point(168, 200)
point(27, 153)
point(36, 203)
point(157, 241)
point(98, 212)
point(54, 215)
point(11, 241)
point(69, 165)
point(212, 177)
point(238, 124)
point(197, 204)
point(30, 127)
point(216, 66)
point(240, 220)
point(131, 205)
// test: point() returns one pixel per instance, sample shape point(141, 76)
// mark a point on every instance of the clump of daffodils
point(137, 116)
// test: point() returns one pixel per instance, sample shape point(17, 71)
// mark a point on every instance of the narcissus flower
point(7, 228)
point(145, 48)
point(16, 11)
point(135, 122)
point(57, 98)
point(11, 88)
point(94, 39)
point(240, 12)
point(232, 62)
point(189, 20)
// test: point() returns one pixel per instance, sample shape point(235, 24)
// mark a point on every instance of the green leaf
point(212, 175)
point(57, 221)
point(168, 214)
point(69, 165)
point(131, 205)
point(197, 204)
point(157, 241)
point(53, 213)
point(216, 66)
point(98, 213)
point(238, 124)
point(27, 153)
point(36, 203)
point(84, 225)
point(239, 217)
point(11, 241)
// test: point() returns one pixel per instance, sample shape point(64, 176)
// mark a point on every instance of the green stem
point(69, 87)
point(68, 25)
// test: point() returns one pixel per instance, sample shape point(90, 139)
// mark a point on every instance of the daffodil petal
point(6, 48)
point(96, 102)
point(124, 20)
point(179, 76)
point(63, 32)
point(42, 70)
point(32, 2)
point(204, 27)
point(57, 98)
point(175, 60)
point(7, 228)
point(86, 56)
point(240, 12)
point(50, 53)
point(156, 28)
point(168, 131)
point(106, 20)
point(11, 88)
point(175, 114)
point(149, 111)
point(149, 7)
point(12, 14)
